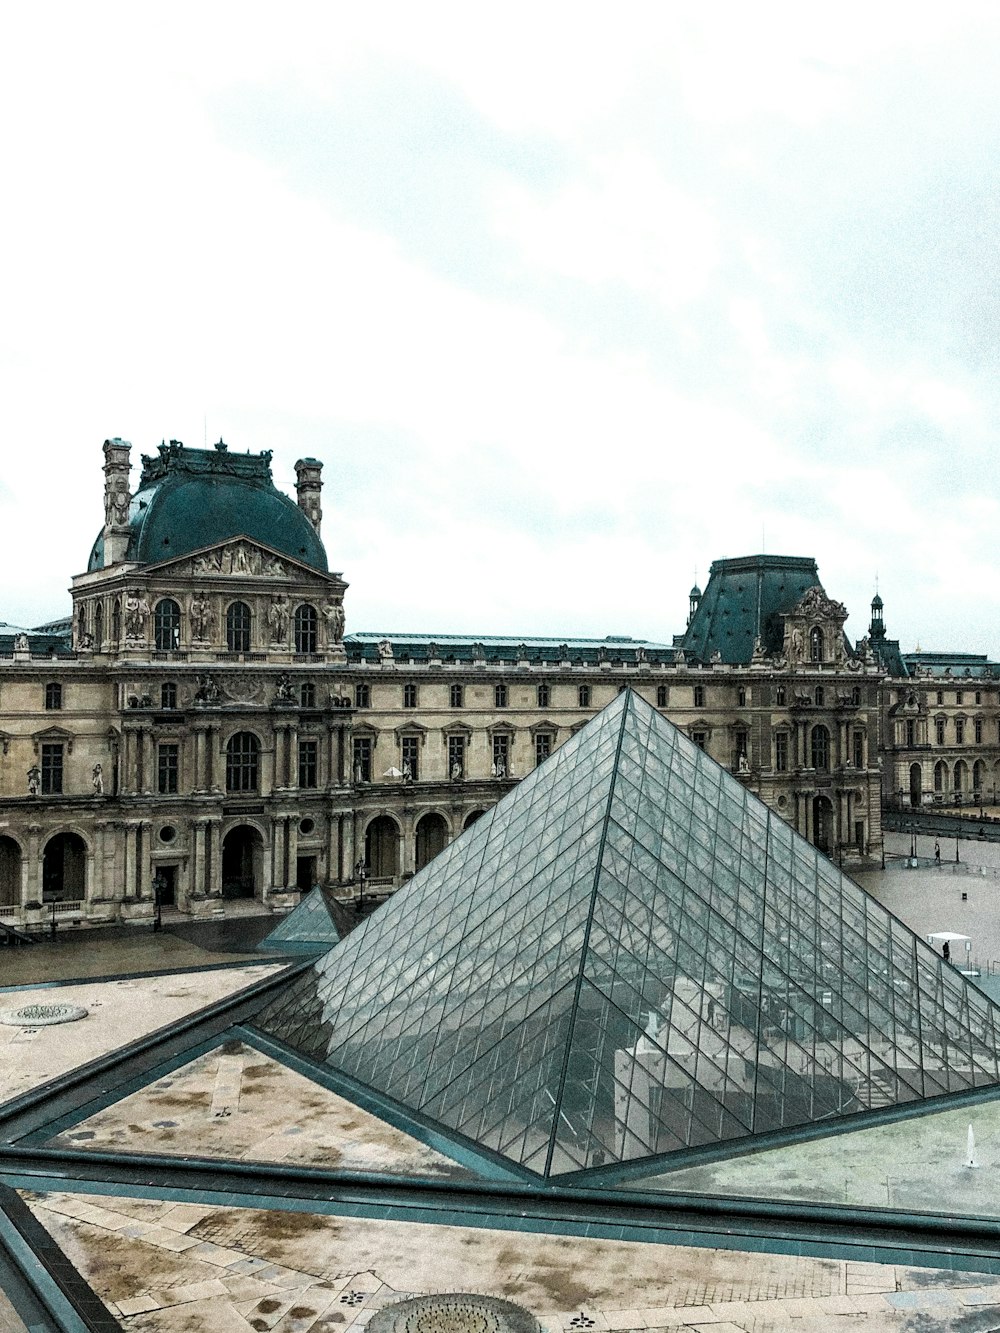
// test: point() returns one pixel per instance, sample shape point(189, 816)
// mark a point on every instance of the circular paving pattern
point(42, 1015)
point(453, 1312)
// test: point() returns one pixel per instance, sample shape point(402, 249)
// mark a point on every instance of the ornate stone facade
point(211, 729)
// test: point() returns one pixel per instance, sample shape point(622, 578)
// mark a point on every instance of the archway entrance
point(242, 862)
point(10, 873)
point(63, 868)
point(823, 824)
point(382, 848)
point(432, 837)
point(916, 783)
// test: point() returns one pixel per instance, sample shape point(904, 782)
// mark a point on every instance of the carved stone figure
point(86, 642)
point(456, 771)
point(278, 615)
point(201, 617)
point(333, 614)
point(385, 649)
point(136, 612)
point(284, 693)
point(21, 643)
point(208, 691)
point(34, 780)
point(797, 644)
point(208, 563)
point(98, 780)
point(272, 567)
point(239, 560)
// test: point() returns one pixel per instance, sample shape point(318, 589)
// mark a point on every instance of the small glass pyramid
point(630, 956)
point(316, 922)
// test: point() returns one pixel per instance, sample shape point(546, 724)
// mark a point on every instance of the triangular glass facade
point(629, 956)
point(310, 924)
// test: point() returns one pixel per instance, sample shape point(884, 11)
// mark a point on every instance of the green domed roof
point(192, 498)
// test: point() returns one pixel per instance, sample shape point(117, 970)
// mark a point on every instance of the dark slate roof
point(974, 665)
point(500, 649)
point(888, 653)
point(188, 499)
point(744, 600)
point(55, 637)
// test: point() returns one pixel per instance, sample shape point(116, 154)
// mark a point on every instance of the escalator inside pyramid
point(631, 957)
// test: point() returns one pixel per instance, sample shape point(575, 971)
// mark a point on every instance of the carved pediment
point(241, 558)
point(53, 736)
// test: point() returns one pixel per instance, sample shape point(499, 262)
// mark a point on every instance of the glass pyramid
point(316, 922)
point(630, 956)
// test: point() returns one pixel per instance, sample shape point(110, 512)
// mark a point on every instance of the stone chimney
point(308, 484)
point(116, 499)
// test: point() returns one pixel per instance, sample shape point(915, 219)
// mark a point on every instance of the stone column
point(277, 852)
point(148, 757)
point(291, 851)
point(214, 876)
point(200, 781)
point(32, 879)
point(198, 832)
point(333, 848)
point(214, 770)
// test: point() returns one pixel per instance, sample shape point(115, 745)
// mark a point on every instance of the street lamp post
point(360, 874)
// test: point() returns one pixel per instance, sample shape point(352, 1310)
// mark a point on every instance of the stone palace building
point(204, 727)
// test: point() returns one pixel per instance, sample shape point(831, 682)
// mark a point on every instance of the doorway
point(823, 824)
point(305, 873)
point(63, 867)
point(242, 862)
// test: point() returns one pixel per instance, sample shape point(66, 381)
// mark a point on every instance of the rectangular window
point(362, 759)
point(959, 696)
point(362, 696)
point(53, 696)
point(979, 696)
point(308, 762)
point(167, 765)
point(456, 756)
point(543, 747)
point(168, 694)
point(410, 747)
point(940, 696)
point(52, 769)
point(700, 739)
point(779, 696)
point(959, 731)
point(661, 696)
point(859, 749)
point(939, 730)
point(543, 696)
point(699, 696)
point(501, 756)
point(456, 696)
point(583, 696)
point(500, 696)
point(781, 751)
point(911, 732)
point(409, 696)
point(979, 730)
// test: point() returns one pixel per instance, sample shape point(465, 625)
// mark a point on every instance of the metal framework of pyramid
point(631, 956)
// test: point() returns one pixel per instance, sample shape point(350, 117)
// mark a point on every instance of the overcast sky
point(570, 300)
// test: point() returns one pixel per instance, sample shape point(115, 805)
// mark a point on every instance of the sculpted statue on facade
point(210, 562)
point(284, 693)
point(34, 780)
point(21, 643)
point(201, 617)
point(333, 614)
point(136, 612)
point(385, 649)
point(97, 780)
point(278, 616)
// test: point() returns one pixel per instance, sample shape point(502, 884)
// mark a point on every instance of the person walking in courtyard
point(937, 852)
point(946, 952)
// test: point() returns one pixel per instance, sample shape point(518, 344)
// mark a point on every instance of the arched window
point(819, 696)
point(820, 748)
point(306, 622)
point(940, 768)
point(307, 695)
point(238, 623)
point(81, 621)
point(816, 644)
point(168, 694)
point(116, 622)
point(98, 626)
point(166, 626)
point(242, 762)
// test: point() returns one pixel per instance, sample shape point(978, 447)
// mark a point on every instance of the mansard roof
point(420, 647)
point(743, 601)
point(192, 498)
